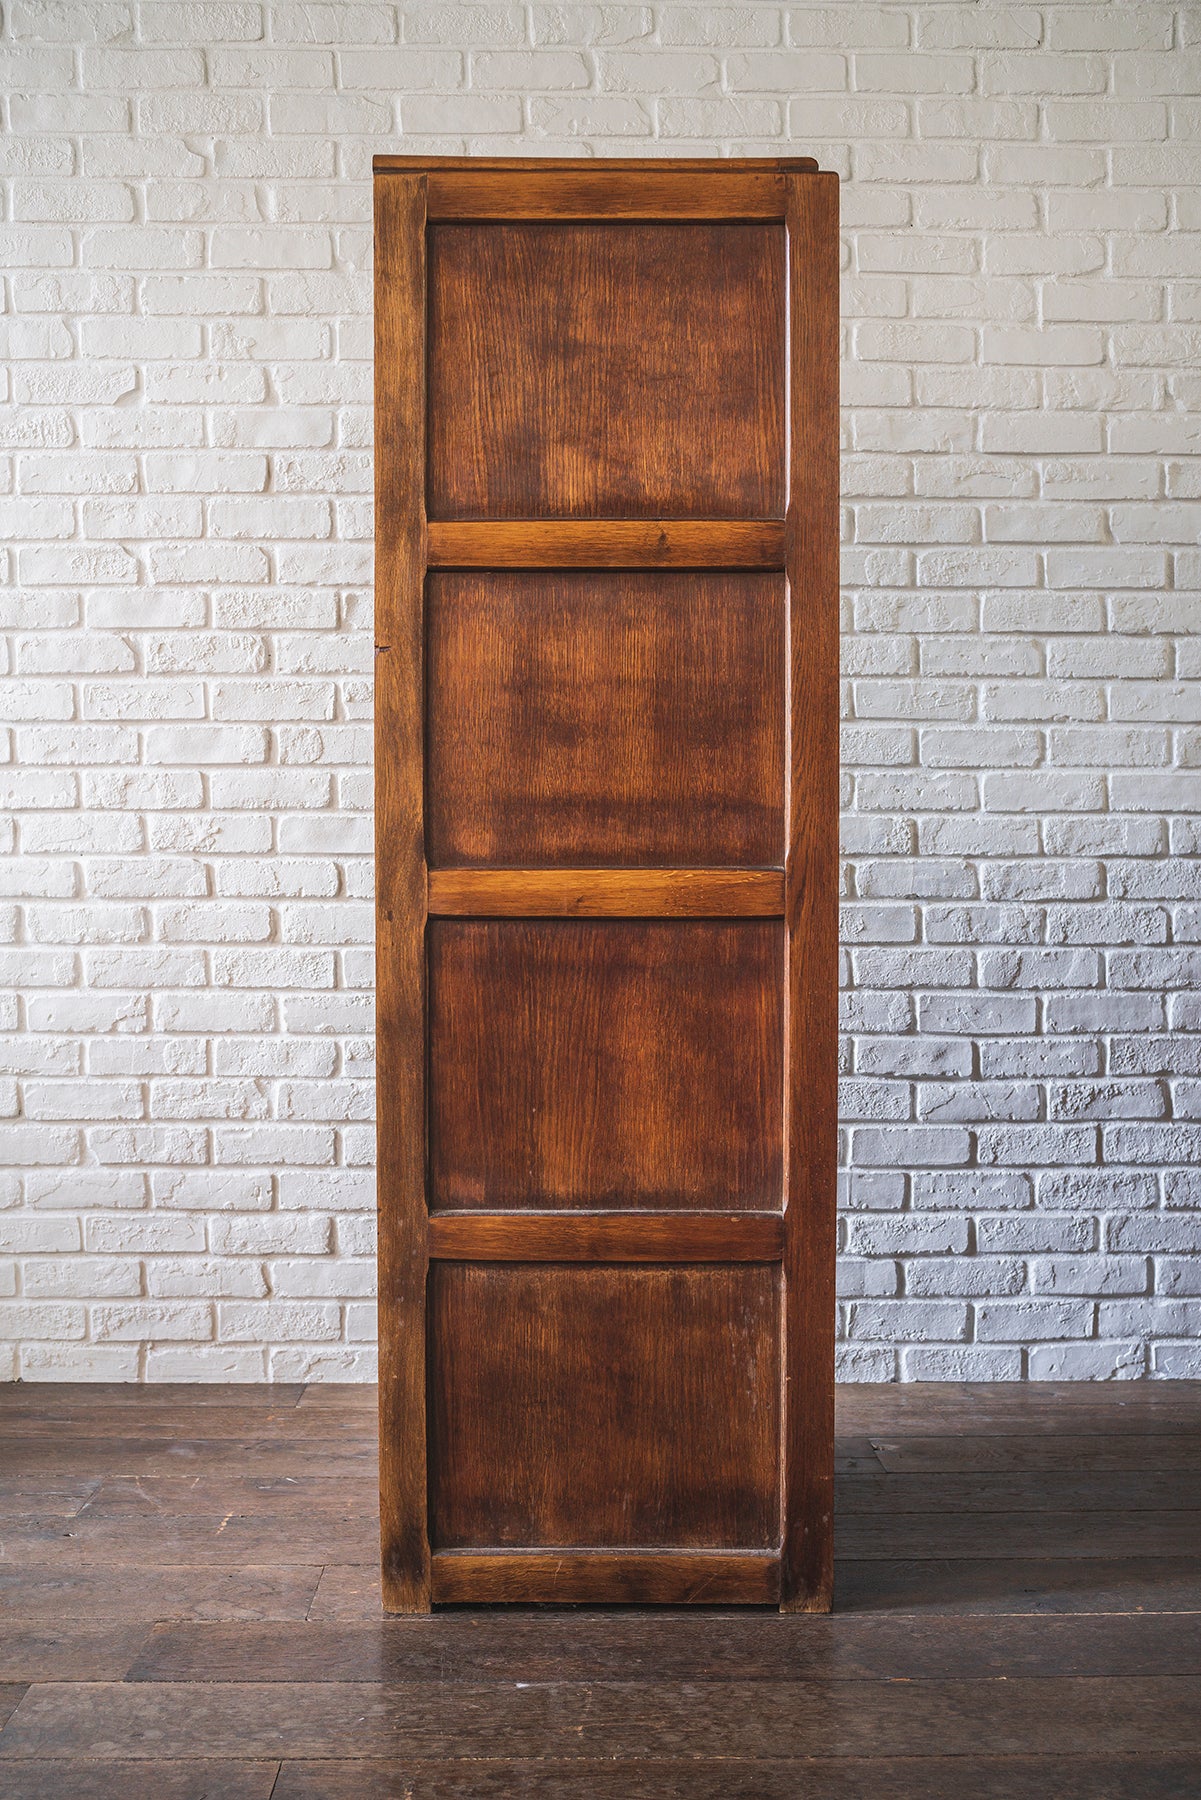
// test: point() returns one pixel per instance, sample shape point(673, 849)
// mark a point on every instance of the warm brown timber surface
point(605, 543)
point(524, 425)
point(190, 1610)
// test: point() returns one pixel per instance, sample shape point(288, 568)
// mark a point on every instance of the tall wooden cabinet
point(606, 718)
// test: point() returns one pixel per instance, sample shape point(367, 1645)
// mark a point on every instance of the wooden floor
point(189, 1611)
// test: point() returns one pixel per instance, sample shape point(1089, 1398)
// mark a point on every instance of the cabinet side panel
point(401, 884)
point(620, 371)
point(811, 897)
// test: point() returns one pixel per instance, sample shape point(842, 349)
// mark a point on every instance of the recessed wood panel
point(605, 717)
point(627, 371)
point(575, 1405)
point(608, 1063)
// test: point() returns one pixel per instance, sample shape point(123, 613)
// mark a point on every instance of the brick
point(900, 1321)
point(1010, 1321)
point(1086, 1362)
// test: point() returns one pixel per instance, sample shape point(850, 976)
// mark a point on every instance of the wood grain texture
point(83, 1778)
point(630, 799)
point(575, 1405)
point(605, 191)
point(607, 1578)
point(114, 1595)
point(1067, 1449)
point(400, 880)
point(907, 1689)
point(811, 882)
point(1139, 1776)
point(607, 1237)
point(987, 1586)
point(606, 543)
point(612, 719)
point(607, 893)
point(575, 371)
point(741, 1721)
point(598, 1074)
point(701, 1647)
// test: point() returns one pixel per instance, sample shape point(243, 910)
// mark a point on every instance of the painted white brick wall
point(185, 488)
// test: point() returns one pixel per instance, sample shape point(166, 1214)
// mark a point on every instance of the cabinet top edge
point(392, 164)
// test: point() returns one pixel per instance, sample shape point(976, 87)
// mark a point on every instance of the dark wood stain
point(76, 1779)
point(1014, 1677)
point(976, 1534)
point(1017, 1493)
point(607, 603)
point(1142, 1777)
point(52, 1453)
point(811, 896)
point(400, 400)
point(621, 1646)
point(573, 374)
point(33, 1590)
point(605, 719)
point(573, 1405)
point(599, 1072)
point(222, 1540)
point(1064, 1450)
point(1017, 1409)
point(1011, 1584)
point(739, 1720)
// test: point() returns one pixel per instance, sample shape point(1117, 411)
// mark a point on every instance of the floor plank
point(23, 1494)
point(347, 1593)
point(68, 1651)
point(178, 1424)
point(1003, 1408)
point(201, 1780)
point(1023, 1491)
point(196, 1541)
point(589, 1646)
point(1064, 1449)
point(140, 1397)
point(32, 1591)
point(341, 1397)
point(11, 1693)
point(1017, 1585)
point(176, 1455)
point(283, 1497)
point(1023, 1534)
point(1143, 1777)
point(1061, 1716)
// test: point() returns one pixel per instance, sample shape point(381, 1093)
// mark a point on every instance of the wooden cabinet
point(606, 719)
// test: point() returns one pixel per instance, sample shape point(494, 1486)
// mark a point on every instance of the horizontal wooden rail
point(606, 893)
point(599, 1577)
point(606, 543)
point(394, 162)
point(600, 192)
point(606, 1237)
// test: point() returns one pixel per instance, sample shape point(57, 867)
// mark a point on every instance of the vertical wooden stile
point(401, 883)
point(811, 897)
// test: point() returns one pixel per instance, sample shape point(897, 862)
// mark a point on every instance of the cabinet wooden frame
point(410, 193)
